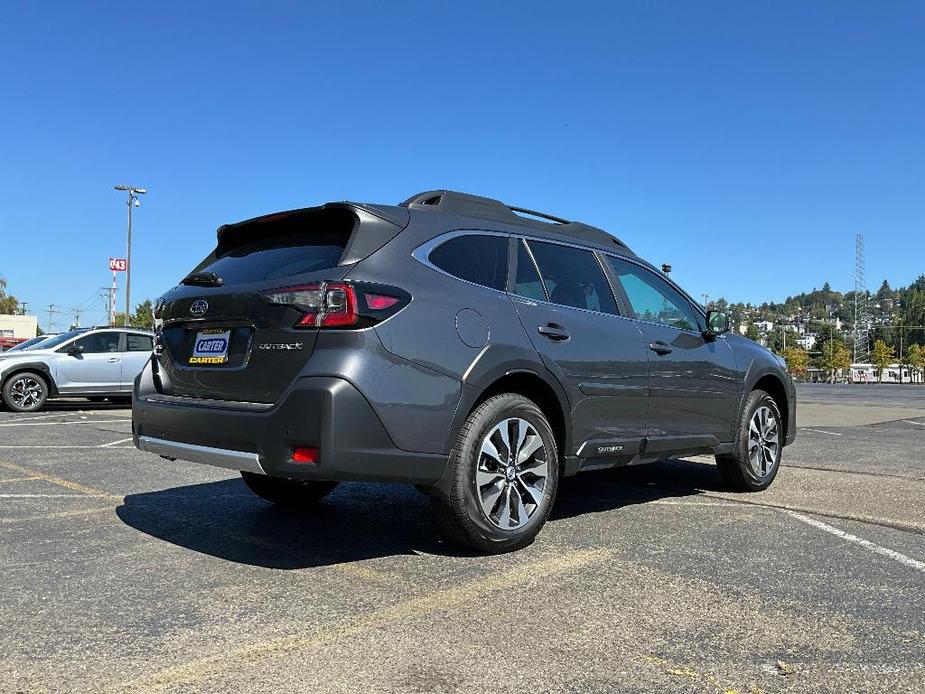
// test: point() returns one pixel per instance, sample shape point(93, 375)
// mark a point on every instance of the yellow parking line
point(416, 607)
point(5, 480)
point(67, 484)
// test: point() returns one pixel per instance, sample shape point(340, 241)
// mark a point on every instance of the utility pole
point(22, 307)
point(77, 313)
point(51, 310)
point(131, 201)
point(706, 300)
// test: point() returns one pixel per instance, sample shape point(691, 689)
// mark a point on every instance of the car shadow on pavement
point(363, 521)
point(83, 406)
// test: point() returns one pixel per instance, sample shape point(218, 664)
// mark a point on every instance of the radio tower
point(861, 313)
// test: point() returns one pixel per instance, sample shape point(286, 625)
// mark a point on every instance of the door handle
point(113, 360)
point(660, 348)
point(554, 332)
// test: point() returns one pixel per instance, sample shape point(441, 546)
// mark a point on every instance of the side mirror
point(74, 350)
point(717, 322)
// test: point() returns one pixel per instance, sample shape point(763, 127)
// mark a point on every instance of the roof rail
point(469, 205)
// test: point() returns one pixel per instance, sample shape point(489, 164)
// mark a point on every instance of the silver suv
point(96, 363)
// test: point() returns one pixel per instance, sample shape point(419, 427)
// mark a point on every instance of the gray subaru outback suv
point(476, 350)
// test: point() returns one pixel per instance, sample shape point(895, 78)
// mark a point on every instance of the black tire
point(286, 492)
point(737, 469)
point(460, 514)
point(33, 385)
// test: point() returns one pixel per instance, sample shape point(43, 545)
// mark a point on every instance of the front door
point(694, 386)
point(569, 313)
point(97, 369)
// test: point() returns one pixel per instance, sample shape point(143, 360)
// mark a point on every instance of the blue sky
point(745, 143)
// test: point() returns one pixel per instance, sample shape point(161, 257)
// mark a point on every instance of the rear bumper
point(325, 412)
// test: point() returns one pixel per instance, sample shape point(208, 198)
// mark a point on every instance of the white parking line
point(909, 421)
point(866, 544)
point(29, 418)
point(45, 424)
point(115, 443)
point(47, 496)
point(64, 447)
point(820, 431)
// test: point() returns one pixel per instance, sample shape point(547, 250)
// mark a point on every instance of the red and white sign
point(118, 264)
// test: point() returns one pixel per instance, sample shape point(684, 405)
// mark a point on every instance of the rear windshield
point(279, 246)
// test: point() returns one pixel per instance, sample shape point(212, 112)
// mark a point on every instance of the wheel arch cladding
point(530, 385)
point(773, 386)
point(37, 368)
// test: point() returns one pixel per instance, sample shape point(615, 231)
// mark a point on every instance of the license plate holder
point(210, 348)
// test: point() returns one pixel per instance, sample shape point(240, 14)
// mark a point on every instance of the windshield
point(28, 343)
point(52, 342)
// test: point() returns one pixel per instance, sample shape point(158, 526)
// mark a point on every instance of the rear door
point(567, 308)
point(98, 368)
point(138, 348)
point(693, 379)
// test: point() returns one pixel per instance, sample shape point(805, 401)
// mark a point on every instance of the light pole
point(131, 201)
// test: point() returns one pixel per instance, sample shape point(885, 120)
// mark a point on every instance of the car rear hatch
point(234, 329)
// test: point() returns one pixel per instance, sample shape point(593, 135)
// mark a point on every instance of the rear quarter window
point(476, 258)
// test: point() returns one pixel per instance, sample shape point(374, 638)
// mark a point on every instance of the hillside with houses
point(815, 331)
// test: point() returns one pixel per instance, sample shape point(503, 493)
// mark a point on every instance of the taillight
point(339, 304)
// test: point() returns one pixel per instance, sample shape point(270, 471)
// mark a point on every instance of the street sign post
point(118, 264)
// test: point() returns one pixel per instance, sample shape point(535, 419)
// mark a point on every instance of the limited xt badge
point(280, 346)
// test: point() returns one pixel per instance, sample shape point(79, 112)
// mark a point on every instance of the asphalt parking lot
point(125, 572)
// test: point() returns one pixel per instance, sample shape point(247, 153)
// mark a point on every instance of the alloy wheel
point(511, 473)
point(26, 392)
point(763, 442)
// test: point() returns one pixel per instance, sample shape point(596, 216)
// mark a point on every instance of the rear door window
point(528, 283)
point(477, 258)
point(139, 343)
point(573, 277)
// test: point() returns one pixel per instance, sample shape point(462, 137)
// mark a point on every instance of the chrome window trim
point(421, 252)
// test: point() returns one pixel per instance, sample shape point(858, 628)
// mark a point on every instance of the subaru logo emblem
point(199, 307)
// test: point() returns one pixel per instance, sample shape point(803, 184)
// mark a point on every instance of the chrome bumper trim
point(220, 457)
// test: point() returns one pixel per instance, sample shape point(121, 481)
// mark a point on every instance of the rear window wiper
point(203, 279)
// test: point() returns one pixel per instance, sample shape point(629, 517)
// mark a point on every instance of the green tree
point(915, 356)
point(751, 332)
point(881, 356)
point(143, 317)
point(835, 357)
point(9, 304)
point(797, 360)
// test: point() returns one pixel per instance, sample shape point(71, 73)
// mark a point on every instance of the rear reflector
point(307, 454)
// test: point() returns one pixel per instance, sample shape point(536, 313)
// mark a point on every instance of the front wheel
point(25, 392)
point(505, 475)
point(286, 492)
point(754, 462)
